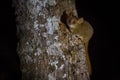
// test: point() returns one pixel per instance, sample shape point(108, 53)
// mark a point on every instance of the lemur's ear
point(69, 14)
point(80, 20)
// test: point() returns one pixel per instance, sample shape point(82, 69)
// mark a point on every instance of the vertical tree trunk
point(47, 50)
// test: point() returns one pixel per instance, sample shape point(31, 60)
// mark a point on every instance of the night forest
point(104, 45)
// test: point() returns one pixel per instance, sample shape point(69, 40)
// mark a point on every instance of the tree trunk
point(47, 50)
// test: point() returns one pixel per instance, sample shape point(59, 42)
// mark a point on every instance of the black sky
point(104, 45)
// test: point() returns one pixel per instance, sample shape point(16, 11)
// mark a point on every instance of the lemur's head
point(74, 21)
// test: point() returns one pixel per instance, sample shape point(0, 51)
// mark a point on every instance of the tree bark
point(47, 50)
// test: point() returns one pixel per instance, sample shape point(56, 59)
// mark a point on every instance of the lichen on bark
point(47, 50)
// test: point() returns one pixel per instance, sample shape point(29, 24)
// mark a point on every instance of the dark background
point(103, 48)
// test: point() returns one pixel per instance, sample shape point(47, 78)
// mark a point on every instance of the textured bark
point(47, 50)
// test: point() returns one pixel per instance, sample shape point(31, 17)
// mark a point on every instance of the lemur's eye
point(72, 21)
